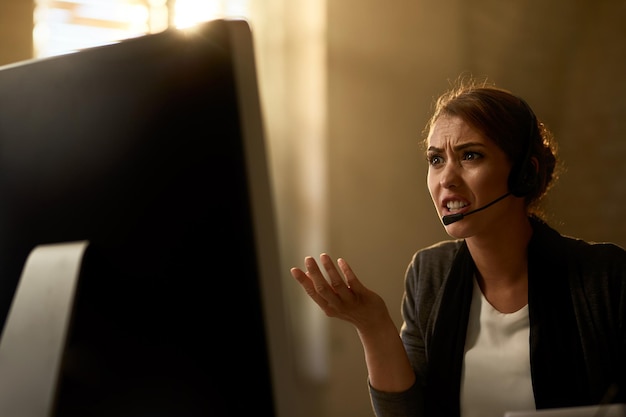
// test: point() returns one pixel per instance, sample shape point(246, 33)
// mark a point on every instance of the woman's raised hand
point(341, 295)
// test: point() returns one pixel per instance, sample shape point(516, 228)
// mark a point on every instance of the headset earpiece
point(523, 180)
point(523, 177)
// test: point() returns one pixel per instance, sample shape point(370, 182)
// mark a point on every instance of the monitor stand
point(35, 333)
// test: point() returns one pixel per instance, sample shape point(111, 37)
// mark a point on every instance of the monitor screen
point(152, 151)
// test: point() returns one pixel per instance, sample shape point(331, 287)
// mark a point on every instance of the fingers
point(313, 282)
point(337, 282)
point(351, 279)
point(304, 278)
point(324, 292)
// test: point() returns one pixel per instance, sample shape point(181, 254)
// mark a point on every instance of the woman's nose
point(449, 175)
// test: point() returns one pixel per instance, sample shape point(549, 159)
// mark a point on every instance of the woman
point(509, 314)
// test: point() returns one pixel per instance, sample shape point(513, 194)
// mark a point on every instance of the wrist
point(382, 327)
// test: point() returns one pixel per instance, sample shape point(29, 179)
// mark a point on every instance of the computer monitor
point(149, 154)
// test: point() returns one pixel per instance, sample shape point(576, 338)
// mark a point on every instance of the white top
point(496, 369)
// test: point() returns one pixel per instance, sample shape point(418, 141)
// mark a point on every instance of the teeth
point(455, 205)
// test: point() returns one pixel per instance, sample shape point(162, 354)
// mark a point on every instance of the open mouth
point(455, 206)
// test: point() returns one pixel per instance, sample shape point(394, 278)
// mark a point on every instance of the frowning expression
point(466, 171)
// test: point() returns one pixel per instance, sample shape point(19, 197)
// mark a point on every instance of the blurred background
point(347, 87)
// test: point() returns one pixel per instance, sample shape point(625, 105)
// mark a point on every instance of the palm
point(341, 295)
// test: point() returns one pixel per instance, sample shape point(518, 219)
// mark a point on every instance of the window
point(63, 26)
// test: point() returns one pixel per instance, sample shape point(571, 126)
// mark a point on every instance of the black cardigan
point(577, 312)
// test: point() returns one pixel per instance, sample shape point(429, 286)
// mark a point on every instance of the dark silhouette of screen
point(152, 150)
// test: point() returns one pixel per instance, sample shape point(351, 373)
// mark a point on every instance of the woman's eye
point(434, 159)
point(470, 156)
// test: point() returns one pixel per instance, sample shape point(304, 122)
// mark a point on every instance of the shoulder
point(441, 252)
point(595, 259)
point(433, 262)
point(596, 274)
point(597, 251)
point(575, 250)
point(594, 266)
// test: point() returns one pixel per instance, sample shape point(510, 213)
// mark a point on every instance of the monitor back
point(152, 150)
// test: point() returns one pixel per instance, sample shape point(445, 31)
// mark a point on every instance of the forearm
point(388, 365)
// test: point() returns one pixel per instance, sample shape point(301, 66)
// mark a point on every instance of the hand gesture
point(341, 295)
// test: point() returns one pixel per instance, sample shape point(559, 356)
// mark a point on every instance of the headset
point(523, 177)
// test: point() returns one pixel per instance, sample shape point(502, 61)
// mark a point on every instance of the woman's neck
point(501, 261)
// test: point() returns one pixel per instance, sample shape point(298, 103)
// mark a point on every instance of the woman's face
point(468, 171)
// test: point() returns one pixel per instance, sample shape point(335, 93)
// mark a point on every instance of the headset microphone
point(451, 218)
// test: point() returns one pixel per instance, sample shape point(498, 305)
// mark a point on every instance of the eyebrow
point(457, 148)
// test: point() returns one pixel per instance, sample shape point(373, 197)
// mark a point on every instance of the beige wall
point(347, 87)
